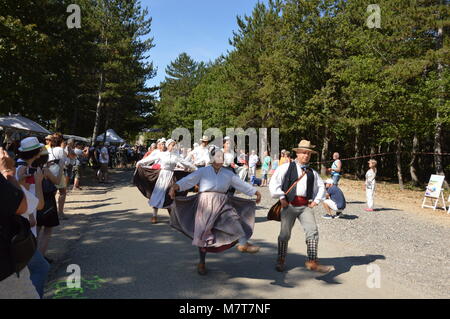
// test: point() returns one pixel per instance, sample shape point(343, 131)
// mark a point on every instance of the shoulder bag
point(275, 211)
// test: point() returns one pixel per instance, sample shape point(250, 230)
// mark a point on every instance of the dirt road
point(386, 254)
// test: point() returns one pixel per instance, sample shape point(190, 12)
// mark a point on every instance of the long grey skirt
point(213, 221)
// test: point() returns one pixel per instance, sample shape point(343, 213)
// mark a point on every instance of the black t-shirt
point(10, 199)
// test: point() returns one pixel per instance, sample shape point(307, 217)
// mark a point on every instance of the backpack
point(17, 246)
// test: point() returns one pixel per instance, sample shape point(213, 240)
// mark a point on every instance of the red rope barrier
point(380, 154)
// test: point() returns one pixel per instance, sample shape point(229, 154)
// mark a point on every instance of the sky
point(201, 28)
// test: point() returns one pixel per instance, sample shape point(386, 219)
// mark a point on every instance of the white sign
point(434, 186)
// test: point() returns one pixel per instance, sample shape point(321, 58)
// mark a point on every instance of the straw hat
point(305, 146)
point(204, 139)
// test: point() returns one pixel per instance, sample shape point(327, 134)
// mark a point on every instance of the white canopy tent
point(18, 122)
point(111, 137)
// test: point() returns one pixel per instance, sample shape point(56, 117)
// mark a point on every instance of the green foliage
point(51, 73)
point(315, 70)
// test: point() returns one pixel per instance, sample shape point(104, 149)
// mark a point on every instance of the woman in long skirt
point(168, 161)
point(212, 219)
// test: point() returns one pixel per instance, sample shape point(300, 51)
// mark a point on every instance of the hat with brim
point(29, 144)
point(305, 145)
point(204, 139)
point(329, 181)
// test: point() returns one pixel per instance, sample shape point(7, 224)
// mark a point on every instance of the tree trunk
point(380, 164)
point(326, 141)
point(98, 111)
point(58, 123)
point(106, 125)
point(412, 164)
point(399, 163)
point(74, 120)
point(438, 127)
point(357, 153)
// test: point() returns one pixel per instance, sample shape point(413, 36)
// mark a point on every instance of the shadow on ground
point(139, 260)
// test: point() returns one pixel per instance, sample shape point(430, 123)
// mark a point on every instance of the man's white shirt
point(277, 180)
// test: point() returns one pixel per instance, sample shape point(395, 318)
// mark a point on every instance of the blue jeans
point(39, 268)
point(336, 179)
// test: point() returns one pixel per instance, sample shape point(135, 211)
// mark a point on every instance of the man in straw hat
point(298, 203)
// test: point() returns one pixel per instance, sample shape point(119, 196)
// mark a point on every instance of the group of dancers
point(216, 220)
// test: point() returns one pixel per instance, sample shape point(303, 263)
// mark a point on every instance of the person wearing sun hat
point(299, 203)
point(48, 141)
point(31, 179)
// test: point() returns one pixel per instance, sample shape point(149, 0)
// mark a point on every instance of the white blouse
point(200, 156)
point(210, 181)
point(277, 180)
point(167, 160)
point(228, 159)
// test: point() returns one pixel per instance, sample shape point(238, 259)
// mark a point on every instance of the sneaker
point(368, 209)
point(339, 215)
point(328, 216)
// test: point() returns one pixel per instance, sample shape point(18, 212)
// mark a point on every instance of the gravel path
point(110, 237)
point(417, 252)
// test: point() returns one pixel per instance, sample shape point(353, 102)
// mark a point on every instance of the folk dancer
point(168, 160)
point(299, 203)
point(214, 220)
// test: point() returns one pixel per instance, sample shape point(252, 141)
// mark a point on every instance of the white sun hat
point(29, 144)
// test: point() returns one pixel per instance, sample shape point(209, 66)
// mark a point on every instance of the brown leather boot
point(282, 252)
point(154, 220)
point(280, 265)
point(201, 269)
point(248, 248)
point(315, 266)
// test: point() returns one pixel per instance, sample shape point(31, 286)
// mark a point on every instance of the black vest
point(290, 178)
